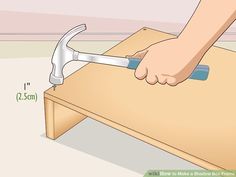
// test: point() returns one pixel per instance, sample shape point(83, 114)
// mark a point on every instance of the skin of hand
point(169, 61)
point(172, 61)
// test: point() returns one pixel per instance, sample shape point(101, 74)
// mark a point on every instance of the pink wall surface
point(106, 19)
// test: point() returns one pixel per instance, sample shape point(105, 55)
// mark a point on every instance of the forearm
point(172, 61)
point(208, 23)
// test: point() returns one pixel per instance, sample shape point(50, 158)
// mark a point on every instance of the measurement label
point(26, 96)
point(27, 84)
point(20, 96)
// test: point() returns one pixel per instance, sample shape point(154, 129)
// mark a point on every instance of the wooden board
point(195, 120)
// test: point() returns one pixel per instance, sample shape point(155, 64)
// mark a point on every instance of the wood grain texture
point(195, 120)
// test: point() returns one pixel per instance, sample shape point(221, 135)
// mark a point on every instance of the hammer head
point(63, 54)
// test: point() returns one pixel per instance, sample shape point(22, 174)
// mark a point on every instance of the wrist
point(193, 47)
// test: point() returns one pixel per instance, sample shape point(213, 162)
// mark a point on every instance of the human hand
point(170, 61)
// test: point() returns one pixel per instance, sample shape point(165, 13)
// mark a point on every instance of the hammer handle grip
point(201, 72)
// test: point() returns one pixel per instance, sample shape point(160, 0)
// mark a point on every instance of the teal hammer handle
point(201, 72)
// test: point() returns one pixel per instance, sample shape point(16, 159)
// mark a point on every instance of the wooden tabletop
point(197, 118)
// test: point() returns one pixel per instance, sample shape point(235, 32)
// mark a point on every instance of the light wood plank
point(59, 119)
point(195, 120)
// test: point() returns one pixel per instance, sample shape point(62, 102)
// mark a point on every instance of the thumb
point(140, 54)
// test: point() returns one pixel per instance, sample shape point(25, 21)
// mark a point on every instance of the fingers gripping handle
point(200, 72)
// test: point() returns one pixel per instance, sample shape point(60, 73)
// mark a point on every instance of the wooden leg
point(59, 119)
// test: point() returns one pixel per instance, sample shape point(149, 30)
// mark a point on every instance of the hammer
point(63, 54)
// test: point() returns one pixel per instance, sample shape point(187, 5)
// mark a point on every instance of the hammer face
point(56, 80)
